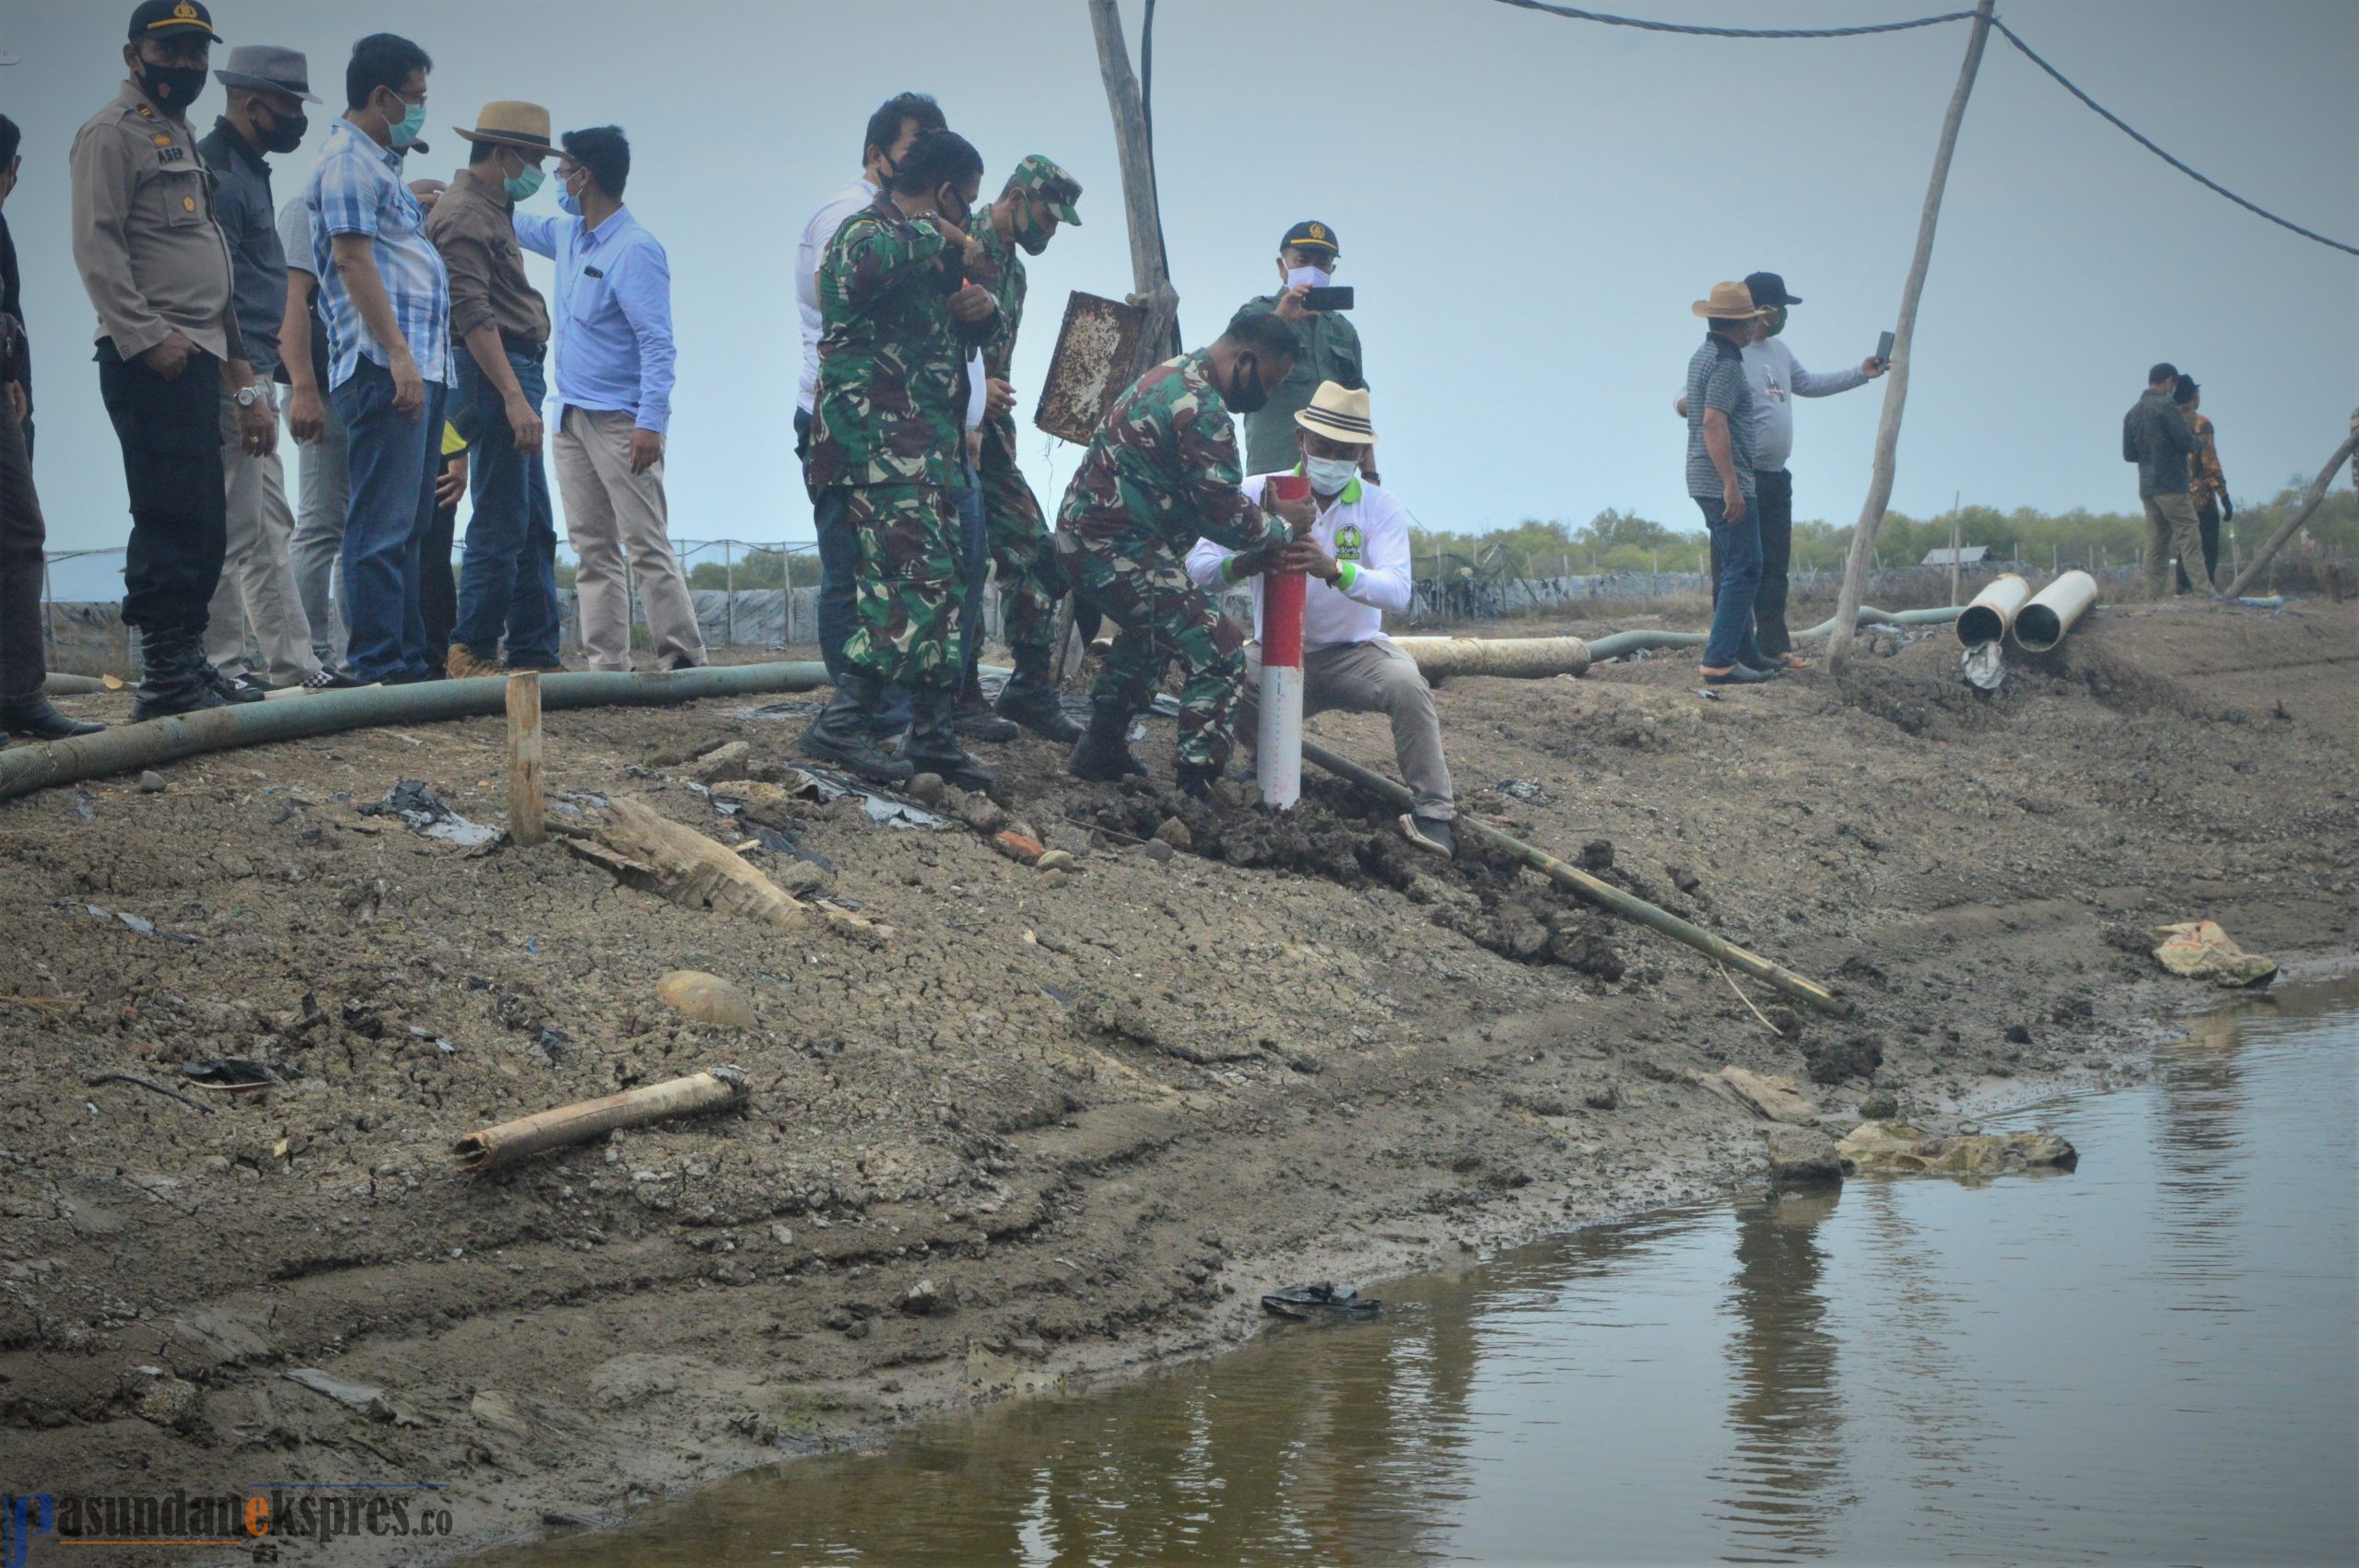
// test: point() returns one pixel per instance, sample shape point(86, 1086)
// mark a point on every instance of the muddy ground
point(1100, 1111)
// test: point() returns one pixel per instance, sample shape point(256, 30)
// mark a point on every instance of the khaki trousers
point(2172, 530)
point(256, 624)
point(1372, 677)
point(613, 516)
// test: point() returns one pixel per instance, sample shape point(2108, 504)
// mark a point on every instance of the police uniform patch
point(161, 140)
point(1349, 543)
point(188, 203)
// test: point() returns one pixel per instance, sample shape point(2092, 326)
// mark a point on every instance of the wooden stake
point(2300, 515)
point(1896, 389)
point(1154, 292)
point(525, 822)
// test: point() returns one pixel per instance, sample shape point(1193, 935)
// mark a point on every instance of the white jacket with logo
point(1368, 531)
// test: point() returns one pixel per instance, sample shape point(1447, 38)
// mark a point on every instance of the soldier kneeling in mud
point(1161, 472)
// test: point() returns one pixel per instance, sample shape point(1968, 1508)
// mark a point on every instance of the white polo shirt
point(1368, 531)
point(817, 235)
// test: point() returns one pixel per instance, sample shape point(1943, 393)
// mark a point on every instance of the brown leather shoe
point(459, 663)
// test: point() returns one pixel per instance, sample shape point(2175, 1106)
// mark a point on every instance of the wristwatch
point(249, 396)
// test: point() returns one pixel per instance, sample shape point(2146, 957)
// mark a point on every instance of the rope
point(1573, 13)
point(2120, 124)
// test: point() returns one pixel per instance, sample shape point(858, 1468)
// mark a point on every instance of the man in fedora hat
point(158, 276)
point(1357, 557)
point(508, 583)
point(256, 634)
point(1720, 479)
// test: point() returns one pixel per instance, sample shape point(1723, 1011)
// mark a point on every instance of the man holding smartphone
point(1327, 346)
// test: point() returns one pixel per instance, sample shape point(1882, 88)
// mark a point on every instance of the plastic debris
point(1318, 1303)
point(425, 813)
point(1896, 1146)
point(1984, 666)
point(2200, 950)
point(230, 1075)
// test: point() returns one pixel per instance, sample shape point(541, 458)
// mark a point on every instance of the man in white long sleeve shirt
point(1357, 560)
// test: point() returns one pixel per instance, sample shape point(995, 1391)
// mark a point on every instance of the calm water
point(2153, 1359)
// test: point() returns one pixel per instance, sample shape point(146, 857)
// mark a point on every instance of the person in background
point(256, 603)
point(1038, 197)
point(888, 448)
point(613, 388)
point(437, 585)
point(157, 272)
point(2155, 436)
point(1720, 480)
point(1160, 473)
point(1357, 557)
point(1327, 346)
point(311, 422)
point(509, 581)
point(2207, 487)
point(388, 302)
point(896, 122)
point(24, 665)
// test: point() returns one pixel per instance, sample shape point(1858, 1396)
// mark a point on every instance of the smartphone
point(1335, 298)
point(1883, 349)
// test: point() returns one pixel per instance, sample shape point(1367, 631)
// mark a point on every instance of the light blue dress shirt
point(613, 315)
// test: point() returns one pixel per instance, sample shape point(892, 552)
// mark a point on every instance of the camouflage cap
point(1036, 173)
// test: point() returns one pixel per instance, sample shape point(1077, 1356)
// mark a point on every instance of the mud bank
point(1098, 1110)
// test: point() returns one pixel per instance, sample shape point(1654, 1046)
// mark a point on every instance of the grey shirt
point(241, 205)
point(2155, 436)
point(1716, 379)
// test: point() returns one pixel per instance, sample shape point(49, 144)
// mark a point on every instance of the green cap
point(1036, 173)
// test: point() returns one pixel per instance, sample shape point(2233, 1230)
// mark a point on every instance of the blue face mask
point(520, 187)
point(566, 203)
point(412, 127)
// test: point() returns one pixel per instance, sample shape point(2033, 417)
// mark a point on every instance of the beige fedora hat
point(513, 124)
point(1730, 302)
point(1338, 413)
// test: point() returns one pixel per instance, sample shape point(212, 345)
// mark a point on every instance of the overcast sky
point(1527, 206)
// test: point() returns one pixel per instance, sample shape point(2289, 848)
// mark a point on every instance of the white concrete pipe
point(1994, 610)
point(1521, 658)
point(2041, 624)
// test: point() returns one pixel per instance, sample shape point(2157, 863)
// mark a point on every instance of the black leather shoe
point(841, 734)
point(1195, 780)
point(1030, 700)
point(36, 719)
point(1104, 752)
point(933, 745)
point(175, 681)
point(232, 688)
point(973, 716)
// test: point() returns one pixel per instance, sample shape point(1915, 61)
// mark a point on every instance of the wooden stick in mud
point(680, 864)
point(511, 1140)
point(2300, 515)
point(524, 820)
point(1602, 894)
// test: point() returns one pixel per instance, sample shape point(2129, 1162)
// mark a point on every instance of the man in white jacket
point(1357, 560)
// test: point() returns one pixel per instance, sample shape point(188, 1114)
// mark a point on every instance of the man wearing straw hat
point(1357, 557)
point(1720, 480)
point(507, 583)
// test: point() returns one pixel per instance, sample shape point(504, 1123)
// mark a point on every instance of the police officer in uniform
point(157, 272)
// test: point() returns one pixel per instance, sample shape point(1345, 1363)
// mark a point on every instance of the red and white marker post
point(1278, 735)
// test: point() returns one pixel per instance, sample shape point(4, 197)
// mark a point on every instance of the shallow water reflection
point(2153, 1358)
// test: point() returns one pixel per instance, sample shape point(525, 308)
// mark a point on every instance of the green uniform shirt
point(1327, 349)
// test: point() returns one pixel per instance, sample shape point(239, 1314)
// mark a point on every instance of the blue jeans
point(393, 459)
point(1737, 546)
point(509, 579)
point(839, 578)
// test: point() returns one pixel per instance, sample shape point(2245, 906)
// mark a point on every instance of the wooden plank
point(525, 824)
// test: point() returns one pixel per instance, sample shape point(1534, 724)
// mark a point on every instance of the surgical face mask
point(1328, 475)
point(521, 186)
point(1031, 232)
point(1246, 394)
point(410, 126)
point(172, 87)
point(566, 202)
point(1775, 323)
point(286, 132)
point(1317, 277)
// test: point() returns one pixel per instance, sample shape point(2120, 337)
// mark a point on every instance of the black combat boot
point(34, 719)
point(1196, 781)
point(842, 732)
point(973, 716)
point(1030, 700)
point(1104, 752)
point(933, 745)
point(175, 681)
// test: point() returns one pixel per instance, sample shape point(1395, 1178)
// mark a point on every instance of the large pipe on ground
point(1620, 643)
point(56, 685)
point(2041, 623)
point(24, 769)
point(1992, 612)
point(1519, 658)
point(1602, 894)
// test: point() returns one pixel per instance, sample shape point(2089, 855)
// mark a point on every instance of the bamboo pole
point(1896, 389)
point(493, 1147)
point(1602, 894)
point(2292, 525)
point(524, 817)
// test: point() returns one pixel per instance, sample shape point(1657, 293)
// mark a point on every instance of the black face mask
point(286, 132)
point(1246, 392)
point(172, 87)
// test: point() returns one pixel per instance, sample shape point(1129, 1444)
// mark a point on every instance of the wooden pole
point(2292, 524)
point(1955, 549)
point(1153, 291)
point(1895, 388)
point(524, 823)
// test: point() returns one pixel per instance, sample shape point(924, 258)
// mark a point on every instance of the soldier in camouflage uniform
point(899, 321)
point(1162, 472)
point(1038, 197)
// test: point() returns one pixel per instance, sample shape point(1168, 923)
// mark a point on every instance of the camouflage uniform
point(1161, 472)
point(887, 427)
